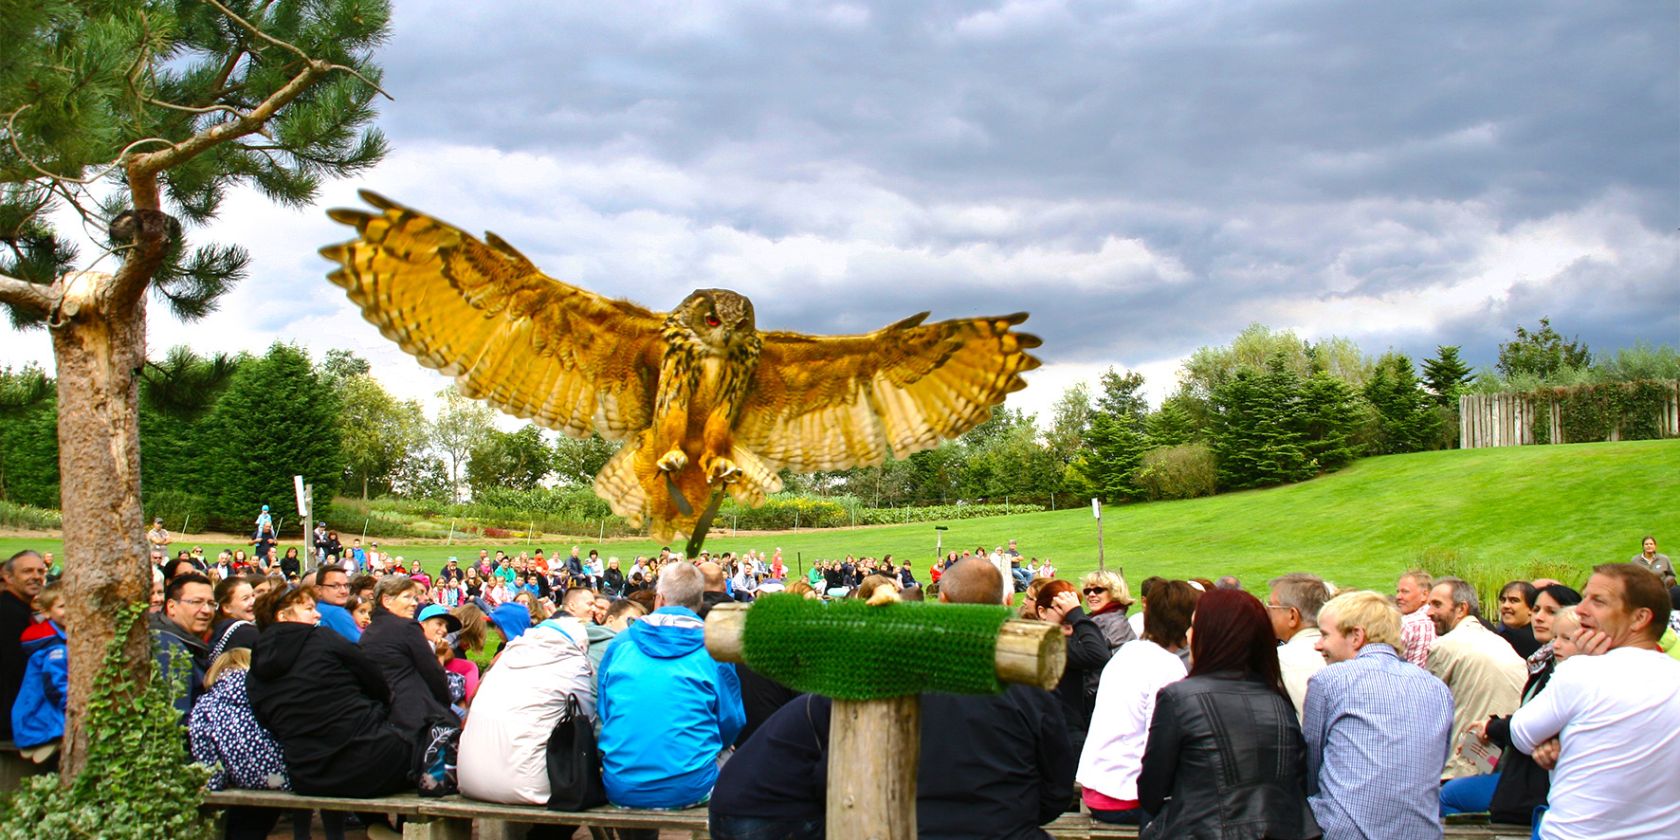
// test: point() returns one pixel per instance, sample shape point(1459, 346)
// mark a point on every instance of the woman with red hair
point(1225, 757)
point(1087, 652)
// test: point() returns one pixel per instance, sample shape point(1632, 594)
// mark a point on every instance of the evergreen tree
point(1328, 417)
point(1117, 438)
point(1406, 419)
point(1444, 374)
point(277, 419)
point(28, 438)
point(1256, 433)
point(1175, 422)
point(122, 114)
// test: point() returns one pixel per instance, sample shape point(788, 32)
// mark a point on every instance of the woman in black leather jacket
point(1225, 758)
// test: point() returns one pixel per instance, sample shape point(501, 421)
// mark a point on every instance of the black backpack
point(574, 762)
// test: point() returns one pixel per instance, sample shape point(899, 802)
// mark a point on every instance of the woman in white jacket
point(504, 747)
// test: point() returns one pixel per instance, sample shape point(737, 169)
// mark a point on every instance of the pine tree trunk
point(99, 343)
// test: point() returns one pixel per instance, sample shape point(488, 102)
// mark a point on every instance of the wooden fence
point(1508, 419)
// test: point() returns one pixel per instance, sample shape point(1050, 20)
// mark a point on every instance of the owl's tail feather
point(756, 480)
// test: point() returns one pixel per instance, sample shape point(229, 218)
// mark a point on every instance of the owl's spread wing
point(481, 312)
point(833, 402)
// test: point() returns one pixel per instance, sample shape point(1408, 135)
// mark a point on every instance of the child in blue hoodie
point(38, 714)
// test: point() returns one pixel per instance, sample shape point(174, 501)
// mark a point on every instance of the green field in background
point(1582, 504)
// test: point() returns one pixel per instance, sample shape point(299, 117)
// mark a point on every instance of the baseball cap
point(435, 611)
point(265, 508)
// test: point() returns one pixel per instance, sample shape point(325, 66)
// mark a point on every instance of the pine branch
point(293, 48)
point(32, 298)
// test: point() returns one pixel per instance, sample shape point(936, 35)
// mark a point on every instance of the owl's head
point(718, 317)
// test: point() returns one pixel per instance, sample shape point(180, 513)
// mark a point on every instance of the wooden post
point(874, 746)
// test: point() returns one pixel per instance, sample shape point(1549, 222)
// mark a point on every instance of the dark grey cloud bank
point(1143, 177)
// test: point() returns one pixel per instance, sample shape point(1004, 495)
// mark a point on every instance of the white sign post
point(1096, 511)
point(305, 494)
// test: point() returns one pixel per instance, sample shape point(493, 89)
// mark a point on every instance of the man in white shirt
point(1293, 607)
point(1605, 725)
point(1417, 629)
point(1485, 674)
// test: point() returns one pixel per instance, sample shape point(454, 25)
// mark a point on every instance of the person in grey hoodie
point(620, 615)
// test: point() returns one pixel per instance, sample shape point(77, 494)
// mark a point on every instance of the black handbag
point(574, 762)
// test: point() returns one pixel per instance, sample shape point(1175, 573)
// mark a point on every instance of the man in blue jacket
point(667, 709)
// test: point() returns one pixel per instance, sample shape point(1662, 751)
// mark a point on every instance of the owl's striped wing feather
point(481, 312)
point(835, 402)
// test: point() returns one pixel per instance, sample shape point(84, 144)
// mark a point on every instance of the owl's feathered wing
point(835, 402)
point(479, 311)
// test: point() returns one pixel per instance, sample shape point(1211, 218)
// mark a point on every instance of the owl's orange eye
point(712, 321)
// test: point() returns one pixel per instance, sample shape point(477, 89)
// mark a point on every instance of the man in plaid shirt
point(1417, 629)
point(1378, 728)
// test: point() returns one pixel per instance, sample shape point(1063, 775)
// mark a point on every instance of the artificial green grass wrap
point(852, 651)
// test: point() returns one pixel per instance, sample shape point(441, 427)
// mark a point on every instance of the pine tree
point(1444, 374)
point(1328, 418)
point(1257, 439)
point(1406, 419)
point(1117, 437)
point(277, 419)
point(139, 117)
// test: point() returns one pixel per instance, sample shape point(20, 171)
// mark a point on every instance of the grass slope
point(1583, 504)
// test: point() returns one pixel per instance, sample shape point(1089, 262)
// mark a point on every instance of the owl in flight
point(700, 399)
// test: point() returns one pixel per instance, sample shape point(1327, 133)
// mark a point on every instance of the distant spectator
point(1604, 725)
point(1516, 608)
point(1485, 674)
point(1108, 599)
point(157, 536)
point(262, 545)
point(1228, 582)
point(1293, 608)
point(667, 709)
point(291, 566)
point(1649, 559)
point(1136, 619)
point(1417, 629)
point(715, 590)
point(1231, 705)
point(1377, 728)
point(1113, 752)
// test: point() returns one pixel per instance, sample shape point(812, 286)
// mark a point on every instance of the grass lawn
point(1581, 504)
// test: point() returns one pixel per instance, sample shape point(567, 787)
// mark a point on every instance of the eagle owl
point(699, 398)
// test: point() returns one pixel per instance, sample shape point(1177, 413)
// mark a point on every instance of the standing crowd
point(1204, 712)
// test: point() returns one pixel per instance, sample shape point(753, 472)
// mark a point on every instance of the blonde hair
point(1366, 610)
point(1114, 583)
point(1566, 616)
point(234, 659)
point(49, 596)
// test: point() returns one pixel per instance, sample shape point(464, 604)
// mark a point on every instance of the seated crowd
point(1205, 712)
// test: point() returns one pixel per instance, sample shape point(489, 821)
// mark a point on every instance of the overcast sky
point(1143, 177)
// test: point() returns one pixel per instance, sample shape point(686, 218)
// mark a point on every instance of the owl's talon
point(724, 470)
point(673, 460)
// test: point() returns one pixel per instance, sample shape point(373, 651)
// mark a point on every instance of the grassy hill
point(1505, 508)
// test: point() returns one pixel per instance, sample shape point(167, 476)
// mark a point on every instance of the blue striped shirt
point(1378, 732)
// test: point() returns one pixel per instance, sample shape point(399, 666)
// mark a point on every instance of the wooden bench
point(456, 817)
point(1071, 826)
